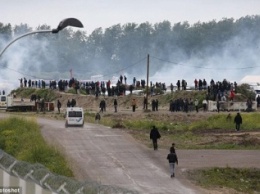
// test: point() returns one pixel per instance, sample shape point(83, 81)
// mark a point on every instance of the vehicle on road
point(10, 103)
point(74, 117)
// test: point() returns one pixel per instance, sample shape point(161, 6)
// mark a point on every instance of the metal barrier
point(21, 186)
point(230, 106)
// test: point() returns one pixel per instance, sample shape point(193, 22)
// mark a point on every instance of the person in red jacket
point(232, 95)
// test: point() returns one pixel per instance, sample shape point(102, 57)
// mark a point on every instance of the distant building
point(253, 82)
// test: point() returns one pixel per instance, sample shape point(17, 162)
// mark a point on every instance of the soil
point(91, 104)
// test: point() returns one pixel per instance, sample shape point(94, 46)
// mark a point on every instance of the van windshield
point(3, 98)
point(75, 114)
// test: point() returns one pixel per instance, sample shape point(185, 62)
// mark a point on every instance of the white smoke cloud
point(230, 62)
point(22, 59)
point(238, 58)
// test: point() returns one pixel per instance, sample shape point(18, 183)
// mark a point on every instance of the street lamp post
point(63, 24)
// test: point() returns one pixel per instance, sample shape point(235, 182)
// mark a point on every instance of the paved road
point(112, 157)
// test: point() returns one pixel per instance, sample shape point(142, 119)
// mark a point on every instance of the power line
point(24, 74)
point(127, 66)
point(201, 67)
point(134, 64)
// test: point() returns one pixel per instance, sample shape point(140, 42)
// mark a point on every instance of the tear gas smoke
point(237, 58)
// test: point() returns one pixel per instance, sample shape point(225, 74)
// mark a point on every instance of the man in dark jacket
point(115, 104)
point(59, 105)
point(172, 158)
point(154, 135)
point(238, 121)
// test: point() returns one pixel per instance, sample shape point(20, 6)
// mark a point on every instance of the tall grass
point(188, 134)
point(251, 121)
point(241, 180)
point(22, 139)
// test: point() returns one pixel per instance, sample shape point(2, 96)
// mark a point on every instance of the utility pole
point(147, 80)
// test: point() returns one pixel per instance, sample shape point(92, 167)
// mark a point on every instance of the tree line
point(125, 46)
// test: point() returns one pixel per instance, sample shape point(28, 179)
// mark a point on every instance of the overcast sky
point(105, 13)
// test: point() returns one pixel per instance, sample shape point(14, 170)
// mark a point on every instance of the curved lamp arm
point(19, 37)
point(63, 24)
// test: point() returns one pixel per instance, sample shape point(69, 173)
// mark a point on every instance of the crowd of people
point(216, 91)
point(219, 91)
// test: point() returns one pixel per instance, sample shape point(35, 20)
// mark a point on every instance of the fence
point(36, 179)
point(230, 106)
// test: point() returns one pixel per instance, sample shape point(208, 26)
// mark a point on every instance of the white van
point(3, 102)
point(74, 116)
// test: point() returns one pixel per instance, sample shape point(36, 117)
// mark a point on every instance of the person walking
point(238, 121)
point(172, 148)
point(102, 106)
point(258, 100)
point(59, 105)
point(154, 136)
point(156, 104)
point(97, 117)
point(218, 106)
point(145, 103)
point(133, 104)
point(204, 102)
point(115, 104)
point(196, 103)
point(68, 103)
point(173, 159)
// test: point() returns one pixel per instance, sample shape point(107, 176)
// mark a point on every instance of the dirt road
point(113, 157)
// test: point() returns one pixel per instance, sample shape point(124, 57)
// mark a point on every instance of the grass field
point(240, 180)
point(21, 138)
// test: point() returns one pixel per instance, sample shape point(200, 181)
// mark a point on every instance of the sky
point(104, 13)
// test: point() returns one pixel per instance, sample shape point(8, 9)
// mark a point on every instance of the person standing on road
point(238, 121)
point(154, 135)
point(172, 148)
point(68, 103)
point(172, 158)
point(59, 105)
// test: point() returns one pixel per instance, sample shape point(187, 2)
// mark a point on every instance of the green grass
point(191, 135)
point(251, 122)
point(241, 180)
point(22, 139)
